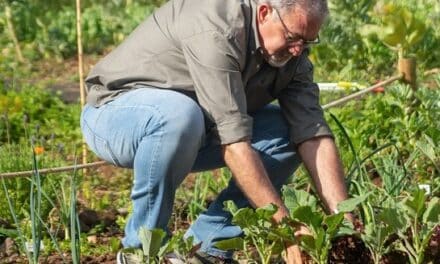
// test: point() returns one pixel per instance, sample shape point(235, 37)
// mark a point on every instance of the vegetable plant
point(260, 231)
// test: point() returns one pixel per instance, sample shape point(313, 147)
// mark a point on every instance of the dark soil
point(9, 255)
point(349, 250)
point(395, 257)
point(89, 219)
point(432, 252)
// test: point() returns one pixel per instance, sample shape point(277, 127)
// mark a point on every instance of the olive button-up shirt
point(210, 51)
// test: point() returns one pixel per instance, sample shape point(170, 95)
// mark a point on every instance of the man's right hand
point(293, 255)
point(251, 177)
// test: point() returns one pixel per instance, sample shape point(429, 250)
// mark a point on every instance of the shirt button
point(258, 66)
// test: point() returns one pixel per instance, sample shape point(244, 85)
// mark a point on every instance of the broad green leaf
point(416, 32)
point(294, 198)
point(320, 237)
point(391, 217)
point(284, 232)
point(245, 217)
point(350, 204)
point(309, 242)
point(415, 204)
point(266, 212)
point(151, 240)
point(432, 213)
point(391, 37)
point(236, 243)
point(305, 215)
point(333, 221)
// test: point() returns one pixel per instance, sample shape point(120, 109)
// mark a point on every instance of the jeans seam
point(159, 131)
point(217, 227)
point(106, 145)
point(161, 116)
point(268, 151)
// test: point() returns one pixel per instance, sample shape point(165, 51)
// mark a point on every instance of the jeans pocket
point(98, 145)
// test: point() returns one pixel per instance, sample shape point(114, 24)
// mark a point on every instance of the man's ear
point(264, 12)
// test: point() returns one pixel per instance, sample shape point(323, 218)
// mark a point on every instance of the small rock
point(89, 217)
point(92, 239)
point(8, 247)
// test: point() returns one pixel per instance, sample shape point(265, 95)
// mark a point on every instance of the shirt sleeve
point(299, 103)
point(214, 61)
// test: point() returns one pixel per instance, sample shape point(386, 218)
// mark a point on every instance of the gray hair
point(314, 8)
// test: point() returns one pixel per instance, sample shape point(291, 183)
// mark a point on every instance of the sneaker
point(174, 258)
point(128, 258)
point(203, 258)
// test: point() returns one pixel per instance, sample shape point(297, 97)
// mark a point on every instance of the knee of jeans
point(187, 124)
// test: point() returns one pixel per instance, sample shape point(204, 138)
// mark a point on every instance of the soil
point(88, 219)
point(11, 256)
point(349, 249)
point(432, 253)
point(395, 257)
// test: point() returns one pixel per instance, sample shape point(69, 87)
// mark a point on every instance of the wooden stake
point(9, 175)
point(81, 71)
point(407, 66)
point(10, 25)
point(363, 91)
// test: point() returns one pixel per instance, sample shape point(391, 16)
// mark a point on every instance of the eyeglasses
point(293, 38)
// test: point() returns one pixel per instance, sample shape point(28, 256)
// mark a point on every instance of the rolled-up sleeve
point(214, 63)
point(299, 102)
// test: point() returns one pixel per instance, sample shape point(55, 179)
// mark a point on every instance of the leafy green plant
point(388, 221)
point(421, 216)
point(260, 231)
point(155, 245)
point(397, 27)
point(324, 228)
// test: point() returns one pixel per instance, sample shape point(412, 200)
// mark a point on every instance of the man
point(189, 90)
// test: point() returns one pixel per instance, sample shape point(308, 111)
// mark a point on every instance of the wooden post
point(407, 66)
point(10, 25)
point(362, 92)
point(80, 70)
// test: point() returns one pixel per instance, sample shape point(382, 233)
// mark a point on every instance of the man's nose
point(296, 50)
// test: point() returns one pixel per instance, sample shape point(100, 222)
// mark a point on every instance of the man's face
point(284, 35)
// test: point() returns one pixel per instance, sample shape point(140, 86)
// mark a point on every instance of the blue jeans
point(161, 135)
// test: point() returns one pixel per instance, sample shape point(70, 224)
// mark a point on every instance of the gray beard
point(278, 61)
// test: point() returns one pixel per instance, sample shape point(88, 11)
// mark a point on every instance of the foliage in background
point(396, 26)
point(403, 121)
point(345, 54)
point(28, 109)
point(46, 29)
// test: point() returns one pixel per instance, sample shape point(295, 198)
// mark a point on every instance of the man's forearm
point(321, 158)
point(251, 177)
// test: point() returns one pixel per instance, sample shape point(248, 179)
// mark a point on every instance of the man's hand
point(293, 254)
point(251, 177)
point(293, 251)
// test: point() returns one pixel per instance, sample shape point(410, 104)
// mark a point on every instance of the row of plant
point(385, 139)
